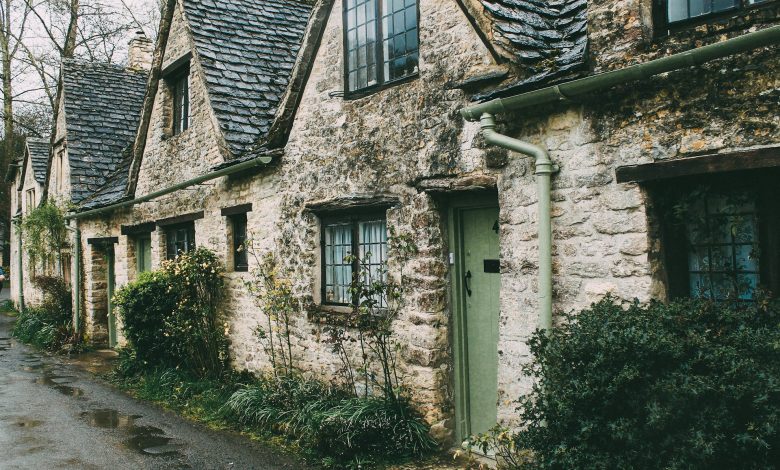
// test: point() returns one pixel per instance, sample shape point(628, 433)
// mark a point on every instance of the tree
point(13, 23)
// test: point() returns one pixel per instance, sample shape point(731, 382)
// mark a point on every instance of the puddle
point(150, 440)
point(147, 440)
point(28, 423)
point(109, 419)
point(57, 382)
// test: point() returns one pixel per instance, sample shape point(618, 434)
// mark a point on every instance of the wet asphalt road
point(54, 414)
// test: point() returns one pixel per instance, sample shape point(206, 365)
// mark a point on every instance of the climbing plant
point(45, 234)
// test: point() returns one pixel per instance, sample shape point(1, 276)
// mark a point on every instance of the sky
point(27, 83)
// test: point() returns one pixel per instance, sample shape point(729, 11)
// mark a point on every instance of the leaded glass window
point(723, 236)
point(179, 239)
point(342, 239)
point(180, 88)
point(381, 42)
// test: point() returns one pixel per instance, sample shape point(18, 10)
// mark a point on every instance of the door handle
point(466, 282)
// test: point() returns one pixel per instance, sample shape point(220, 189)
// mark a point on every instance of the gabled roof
point(102, 109)
point(544, 41)
point(247, 49)
point(39, 157)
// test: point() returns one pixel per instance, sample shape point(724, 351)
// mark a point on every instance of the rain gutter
point(564, 92)
point(261, 160)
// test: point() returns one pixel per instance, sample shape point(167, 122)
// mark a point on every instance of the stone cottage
point(99, 109)
point(314, 130)
point(27, 179)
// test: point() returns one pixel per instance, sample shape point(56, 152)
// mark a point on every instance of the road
point(54, 414)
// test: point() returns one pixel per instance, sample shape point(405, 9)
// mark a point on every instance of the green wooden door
point(143, 254)
point(477, 260)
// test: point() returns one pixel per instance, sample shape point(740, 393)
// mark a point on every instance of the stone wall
point(32, 296)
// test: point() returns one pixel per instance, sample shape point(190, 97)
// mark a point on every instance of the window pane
point(373, 252)
point(338, 271)
point(723, 5)
point(399, 19)
point(361, 38)
point(677, 10)
point(240, 259)
point(699, 7)
point(723, 260)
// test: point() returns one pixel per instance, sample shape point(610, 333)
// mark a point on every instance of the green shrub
point(48, 325)
point(147, 308)
point(692, 384)
point(171, 317)
point(330, 421)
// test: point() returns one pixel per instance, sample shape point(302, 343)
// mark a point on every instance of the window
point(179, 239)
point(678, 11)
point(59, 171)
point(180, 90)
point(722, 240)
point(143, 253)
point(30, 200)
point(240, 259)
point(381, 42)
point(341, 238)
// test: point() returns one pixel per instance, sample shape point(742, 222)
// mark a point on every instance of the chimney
point(140, 52)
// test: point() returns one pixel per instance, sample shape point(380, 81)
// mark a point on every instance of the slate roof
point(548, 39)
point(113, 190)
point(247, 49)
point(102, 110)
point(39, 156)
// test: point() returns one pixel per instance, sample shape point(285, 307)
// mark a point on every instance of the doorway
point(476, 285)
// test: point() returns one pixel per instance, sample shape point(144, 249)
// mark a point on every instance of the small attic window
point(381, 43)
point(178, 81)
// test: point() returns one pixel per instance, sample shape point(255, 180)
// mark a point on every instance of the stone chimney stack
point(140, 52)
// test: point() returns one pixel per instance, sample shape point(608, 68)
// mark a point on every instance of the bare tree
point(13, 23)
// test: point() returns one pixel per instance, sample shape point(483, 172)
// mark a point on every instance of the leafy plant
point(369, 324)
point(172, 319)
point(48, 325)
point(332, 422)
point(45, 234)
point(273, 294)
point(691, 384)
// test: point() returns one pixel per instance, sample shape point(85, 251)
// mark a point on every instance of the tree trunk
point(69, 49)
point(8, 130)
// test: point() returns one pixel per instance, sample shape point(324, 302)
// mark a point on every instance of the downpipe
point(20, 268)
point(544, 169)
point(77, 269)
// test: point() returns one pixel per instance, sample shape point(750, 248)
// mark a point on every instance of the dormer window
point(380, 43)
point(179, 83)
point(682, 11)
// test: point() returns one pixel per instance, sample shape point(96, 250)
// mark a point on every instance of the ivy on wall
point(45, 234)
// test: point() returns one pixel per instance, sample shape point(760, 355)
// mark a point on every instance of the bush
point(47, 326)
point(171, 317)
point(692, 384)
point(332, 422)
point(147, 309)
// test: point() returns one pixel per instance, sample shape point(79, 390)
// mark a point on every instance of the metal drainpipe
point(543, 172)
point(20, 259)
point(77, 267)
